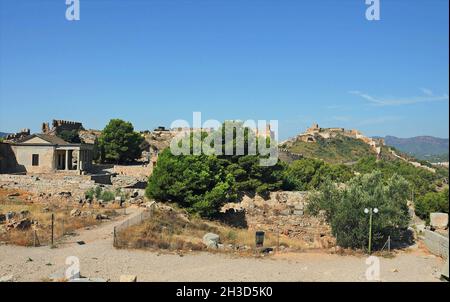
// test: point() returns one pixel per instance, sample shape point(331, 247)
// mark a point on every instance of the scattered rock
point(10, 215)
point(65, 194)
point(86, 214)
point(101, 217)
point(149, 204)
point(2, 218)
point(395, 270)
point(266, 250)
point(88, 280)
point(439, 220)
point(75, 213)
point(23, 224)
point(14, 194)
point(9, 278)
point(128, 278)
point(211, 240)
point(24, 213)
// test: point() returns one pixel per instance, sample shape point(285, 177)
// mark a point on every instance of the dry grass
point(64, 224)
point(171, 231)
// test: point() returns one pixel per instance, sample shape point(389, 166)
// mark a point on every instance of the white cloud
point(428, 96)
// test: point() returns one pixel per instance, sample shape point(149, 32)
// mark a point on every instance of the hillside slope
point(337, 150)
point(422, 147)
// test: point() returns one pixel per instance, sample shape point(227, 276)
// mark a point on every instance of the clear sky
point(154, 61)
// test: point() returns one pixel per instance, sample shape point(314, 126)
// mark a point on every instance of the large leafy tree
point(119, 143)
point(306, 174)
point(70, 136)
point(203, 183)
point(344, 209)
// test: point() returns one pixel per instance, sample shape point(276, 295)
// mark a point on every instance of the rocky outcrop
point(284, 213)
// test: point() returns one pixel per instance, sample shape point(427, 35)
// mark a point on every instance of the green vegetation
point(422, 181)
point(70, 136)
point(338, 150)
point(119, 143)
point(422, 147)
point(202, 183)
point(307, 174)
point(431, 202)
point(344, 209)
point(101, 194)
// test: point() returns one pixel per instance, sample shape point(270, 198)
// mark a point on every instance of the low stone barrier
point(436, 243)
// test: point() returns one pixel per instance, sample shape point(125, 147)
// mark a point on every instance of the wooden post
point(34, 237)
point(53, 225)
point(278, 238)
point(389, 244)
point(114, 237)
point(62, 227)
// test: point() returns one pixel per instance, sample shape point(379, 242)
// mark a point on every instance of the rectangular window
point(35, 159)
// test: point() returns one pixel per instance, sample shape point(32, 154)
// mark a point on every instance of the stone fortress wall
point(282, 212)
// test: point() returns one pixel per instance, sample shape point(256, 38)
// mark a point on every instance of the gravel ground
point(98, 259)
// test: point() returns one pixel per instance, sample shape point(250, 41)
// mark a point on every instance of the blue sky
point(155, 61)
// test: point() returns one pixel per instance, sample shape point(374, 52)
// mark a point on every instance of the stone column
point(79, 160)
point(67, 160)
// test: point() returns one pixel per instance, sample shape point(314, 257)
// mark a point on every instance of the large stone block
point(211, 240)
point(439, 220)
point(128, 278)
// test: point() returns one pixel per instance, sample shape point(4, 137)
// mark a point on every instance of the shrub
point(107, 196)
point(344, 209)
point(431, 203)
point(89, 194)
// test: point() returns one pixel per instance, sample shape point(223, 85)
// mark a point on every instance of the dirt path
point(99, 259)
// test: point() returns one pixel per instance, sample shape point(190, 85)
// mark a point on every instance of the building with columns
point(43, 153)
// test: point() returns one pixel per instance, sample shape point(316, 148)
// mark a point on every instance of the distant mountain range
point(429, 148)
point(3, 134)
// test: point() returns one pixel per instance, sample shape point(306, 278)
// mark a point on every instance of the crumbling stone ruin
point(17, 136)
point(61, 125)
point(312, 134)
point(89, 136)
point(283, 212)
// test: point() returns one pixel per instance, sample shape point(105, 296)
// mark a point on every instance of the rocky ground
point(98, 259)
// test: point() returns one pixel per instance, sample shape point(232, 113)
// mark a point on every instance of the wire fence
point(132, 221)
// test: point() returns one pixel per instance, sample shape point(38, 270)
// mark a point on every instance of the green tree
point(119, 143)
point(203, 183)
point(431, 202)
point(344, 209)
point(306, 174)
point(198, 183)
point(70, 136)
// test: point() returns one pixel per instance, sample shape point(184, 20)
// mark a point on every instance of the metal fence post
point(53, 225)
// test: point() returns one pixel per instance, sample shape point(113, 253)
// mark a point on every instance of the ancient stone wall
point(283, 212)
point(54, 184)
point(436, 243)
point(61, 125)
point(134, 170)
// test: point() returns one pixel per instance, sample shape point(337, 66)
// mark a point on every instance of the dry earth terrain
point(98, 259)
